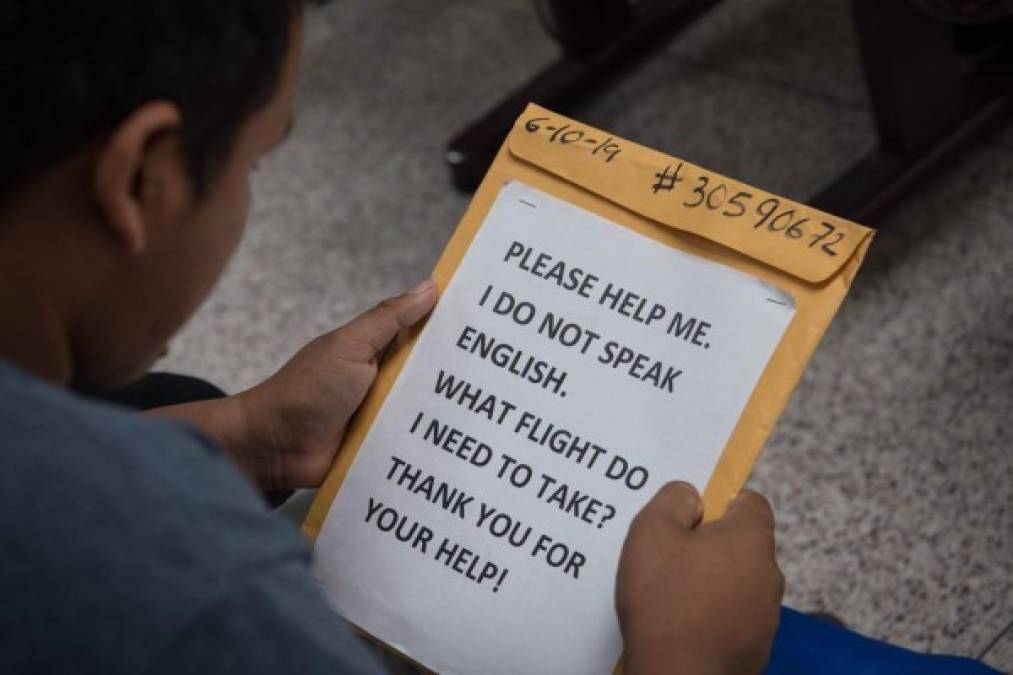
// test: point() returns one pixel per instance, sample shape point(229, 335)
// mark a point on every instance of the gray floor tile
point(1000, 655)
point(891, 470)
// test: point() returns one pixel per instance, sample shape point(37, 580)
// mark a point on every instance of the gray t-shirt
point(131, 545)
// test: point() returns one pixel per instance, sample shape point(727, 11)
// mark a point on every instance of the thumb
point(751, 509)
point(372, 331)
point(678, 501)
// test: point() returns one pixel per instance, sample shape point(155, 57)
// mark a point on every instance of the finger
point(750, 507)
point(377, 327)
point(678, 501)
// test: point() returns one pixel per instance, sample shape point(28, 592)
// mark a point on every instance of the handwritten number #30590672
point(710, 194)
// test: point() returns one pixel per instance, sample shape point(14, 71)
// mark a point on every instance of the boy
point(132, 543)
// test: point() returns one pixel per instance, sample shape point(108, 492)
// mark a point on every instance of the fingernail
point(424, 287)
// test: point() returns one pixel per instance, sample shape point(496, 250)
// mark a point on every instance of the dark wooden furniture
point(939, 72)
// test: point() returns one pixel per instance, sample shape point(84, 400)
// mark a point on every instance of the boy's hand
point(285, 431)
point(701, 599)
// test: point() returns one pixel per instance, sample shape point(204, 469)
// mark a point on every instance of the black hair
point(72, 70)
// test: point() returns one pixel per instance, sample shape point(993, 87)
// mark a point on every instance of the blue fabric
point(131, 545)
point(808, 646)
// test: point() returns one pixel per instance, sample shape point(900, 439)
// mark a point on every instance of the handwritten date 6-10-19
point(567, 134)
point(705, 192)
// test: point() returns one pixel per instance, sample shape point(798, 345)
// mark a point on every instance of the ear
point(140, 161)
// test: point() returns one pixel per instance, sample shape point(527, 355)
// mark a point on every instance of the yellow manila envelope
point(611, 318)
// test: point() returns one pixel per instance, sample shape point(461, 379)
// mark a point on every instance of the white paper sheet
point(694, 339)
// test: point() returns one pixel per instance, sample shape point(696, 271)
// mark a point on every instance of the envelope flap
point(797, 239)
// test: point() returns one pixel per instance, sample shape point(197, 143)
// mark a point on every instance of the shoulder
point(122, 531)
point(53, 434)
point(67, 459)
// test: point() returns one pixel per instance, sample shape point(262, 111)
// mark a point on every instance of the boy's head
point(128, 134)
